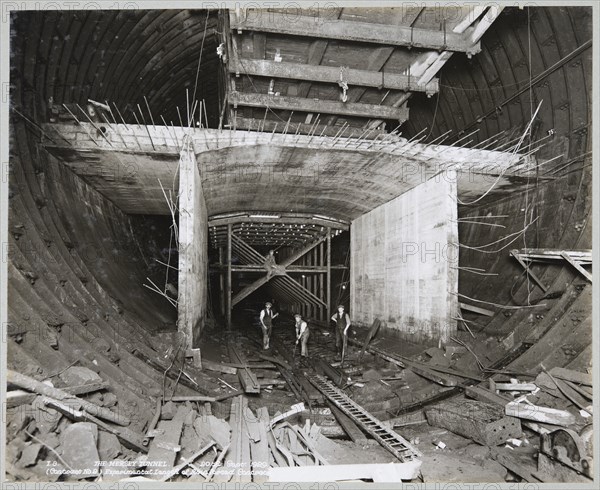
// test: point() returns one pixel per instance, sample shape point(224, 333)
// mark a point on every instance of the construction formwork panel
point(404, 262)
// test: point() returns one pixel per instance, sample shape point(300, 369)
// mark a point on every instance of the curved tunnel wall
point(490, 92)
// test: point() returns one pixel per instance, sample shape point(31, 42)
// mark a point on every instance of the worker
point(270, 263)
point(342, 324)
point(266, 322)
point(302, 334)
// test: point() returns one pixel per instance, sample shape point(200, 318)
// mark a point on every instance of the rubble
point(224, 435)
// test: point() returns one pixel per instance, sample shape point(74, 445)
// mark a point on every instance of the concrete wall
point(402, 267)
point(193, 250)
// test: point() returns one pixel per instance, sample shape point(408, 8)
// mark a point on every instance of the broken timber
point(247, 378)
point(165, 446)
point(30, 384)
point(476, 309)
point(238, 458)
point(372, 332)
point(126, 436)
point(573, 376)
point(15, 398)
point(389, 439)
point(539, 414)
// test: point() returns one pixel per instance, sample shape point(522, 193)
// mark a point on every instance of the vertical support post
point(193, 250)
point(222, 282)
point(228, 280)
point(322, 311)
point(328, 275)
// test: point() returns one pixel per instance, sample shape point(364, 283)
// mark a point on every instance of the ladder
point(388, 438)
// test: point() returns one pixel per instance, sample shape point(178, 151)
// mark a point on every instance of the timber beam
point(290, 269)
point(362, 32)
point(331, 74)
point(279, 219)
point(300, 104)
point(318, 129)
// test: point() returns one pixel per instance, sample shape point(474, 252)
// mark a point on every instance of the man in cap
point(342, 324)
point(302, 334)
point(266, 321)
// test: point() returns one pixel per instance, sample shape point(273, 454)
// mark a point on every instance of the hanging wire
point(531, 118)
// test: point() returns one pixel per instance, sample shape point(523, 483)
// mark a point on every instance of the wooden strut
point(281, 271)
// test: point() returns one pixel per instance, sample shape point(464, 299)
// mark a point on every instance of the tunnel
point(427, 168)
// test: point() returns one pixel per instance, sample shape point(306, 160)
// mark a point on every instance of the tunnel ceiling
point(137, 168)
point(148, 65)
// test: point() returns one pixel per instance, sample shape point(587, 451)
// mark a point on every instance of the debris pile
point(540, 431)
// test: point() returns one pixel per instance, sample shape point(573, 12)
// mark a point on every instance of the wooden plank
point(512, 386)
point(31, 384)
point(188, 461)
point(525, 266)
point(218, 367)
point(275, 360)
point(539, 414)
point(577, 265)
point(573, 396)
point(251, 424)
point(193, 398)
point(330, 74)
point(509, 462)
point(259, 450)
point(581, 390)
point(242, 469)
point(247, 378)
point(476, 309)
point(484, 395)
point(350, 428)
point(228, 304)
point(127, 437)
point(370, 334)
point(434, 376)
point(287, 218)
point(364, 32)
point(299, 104)
point(15, 398)
point(335, 375)
point(163, 448)
point(573, 376)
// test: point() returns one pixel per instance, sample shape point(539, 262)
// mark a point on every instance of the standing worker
point(302, 334)
point(266, 321)
point(342, 324)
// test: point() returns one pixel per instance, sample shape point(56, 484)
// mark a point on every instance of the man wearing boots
point(266, 323)
point(342, 324)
